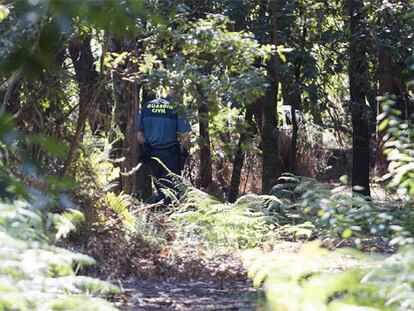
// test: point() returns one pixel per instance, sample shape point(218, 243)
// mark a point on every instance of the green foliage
point(339, 213)
point(147, 228)
point(399, 150)
point(36, 274)
point(49, 144)
point(317, 279)
point(4, 11)
point(312, 279)
point(303, 231)
point(120, 204)
point(65, 222)
point(393, 279)
point(95, 169)
point(41, 27)
point(205, 62)
point(203, 219)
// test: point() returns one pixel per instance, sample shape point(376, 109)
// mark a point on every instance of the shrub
point(35, 274)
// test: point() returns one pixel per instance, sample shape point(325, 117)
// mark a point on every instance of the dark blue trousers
point(170, 157)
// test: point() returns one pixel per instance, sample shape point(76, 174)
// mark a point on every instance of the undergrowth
point(205, 220)
point(35, 214)
point(297, 209)
point(317, 279)
point(338, 213)
point(35, 274)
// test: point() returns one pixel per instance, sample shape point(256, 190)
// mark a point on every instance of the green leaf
point(50, 145)
point(60, 183)
point(347, 233)
point(343, 179)
point(4, 11)
point(383, 125)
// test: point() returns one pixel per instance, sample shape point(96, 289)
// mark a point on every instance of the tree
point(88, 79)
point(269, 123)
point(358, 78)
point(233, 80)
point(126, 95)
point(238, 161)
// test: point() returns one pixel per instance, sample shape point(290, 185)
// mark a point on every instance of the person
point(164, 133)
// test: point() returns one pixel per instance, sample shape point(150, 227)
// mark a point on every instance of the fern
point(66, 222)
point(313, 279)
point(203, 219)
point(120, 204)
point(35, 275)
point(310, 280)
point(316, 279)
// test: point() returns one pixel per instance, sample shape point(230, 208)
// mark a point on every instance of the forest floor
point(190, 278)
point(225, 287)
point(204, 294)
point(222, 285)
point(213, 282)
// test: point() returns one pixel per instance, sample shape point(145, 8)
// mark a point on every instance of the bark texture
point(269, 121)
point(358, 84)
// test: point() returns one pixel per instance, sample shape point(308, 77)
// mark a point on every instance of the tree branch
point(8, 87)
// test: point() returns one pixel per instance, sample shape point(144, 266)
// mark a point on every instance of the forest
point(295, 186)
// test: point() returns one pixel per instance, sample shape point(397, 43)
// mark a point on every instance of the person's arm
point(141, 137)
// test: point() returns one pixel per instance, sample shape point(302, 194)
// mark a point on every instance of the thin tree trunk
point(126, 97)
point(143, 176)
point(269, 125)
point(89, 89)
point(240, 156)
point(130, 146)
point(293, 144)
point(358, 78)
point(292, 97)
point(7, 88)
point(297, 94)
point(121, 100)
point(205, 178)
point(239, 18)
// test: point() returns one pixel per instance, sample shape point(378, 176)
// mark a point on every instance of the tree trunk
point(290, 73)
point(240, 156)
point(143, 176)
point(239, 17)
point(88, 82)
point(90, 86)
point(205, 178)
point(269, 122)
point(291, 96)
point(126, 95)
point(121, 101)
point(7, 89)
point(358, 79)
point(130, 143)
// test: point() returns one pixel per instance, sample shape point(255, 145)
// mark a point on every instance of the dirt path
point(223, 285)
point(198, 295)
